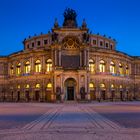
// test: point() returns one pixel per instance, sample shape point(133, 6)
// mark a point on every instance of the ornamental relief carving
point(70, 43)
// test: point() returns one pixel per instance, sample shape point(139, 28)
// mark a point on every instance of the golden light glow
point(112, 86)
point(27, 86)
point(102, 66)
point(112, 67)
point(121, 86)
point(49, 85)
point(91, 65)
point(27, 67)
point(102, 85)
point(18, 86)
point(18, 69)
point(120, 69)
point(91, 85)
point(38, 66)
point(37, 85)
point(49, 65)
point(12, 70)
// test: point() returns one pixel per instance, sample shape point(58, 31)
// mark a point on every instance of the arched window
point(37, 66)
point(112, 86)
point(27, 67)
point(91, 65)
point(49, 65)
point(18, 69)
point(49, 86)
point(102, 66)
point(112, 67)
point(127, 70)
point(91, 86)
point(12, 69)
point(102, 85)
point(18, 86)
point(27, 86)
point(37, 86)
point(120, 69)
point(120, 86)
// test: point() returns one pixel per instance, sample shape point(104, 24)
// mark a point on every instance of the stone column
point(32, 65)
point(43, 64)
point(55, 57)
point(59, 57)
point(84, 57)
point(80, 59)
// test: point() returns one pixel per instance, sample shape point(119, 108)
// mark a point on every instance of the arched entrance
point(37, 95)
point(70, 88)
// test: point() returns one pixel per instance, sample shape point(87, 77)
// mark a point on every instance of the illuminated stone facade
point(69, 63)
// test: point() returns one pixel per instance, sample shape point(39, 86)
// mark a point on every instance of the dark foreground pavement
point(72, 121)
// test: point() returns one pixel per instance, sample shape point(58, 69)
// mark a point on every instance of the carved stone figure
point(70, 18)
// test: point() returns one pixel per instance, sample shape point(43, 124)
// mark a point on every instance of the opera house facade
point(69, 63)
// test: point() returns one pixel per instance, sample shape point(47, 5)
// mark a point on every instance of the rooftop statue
point(70, 18)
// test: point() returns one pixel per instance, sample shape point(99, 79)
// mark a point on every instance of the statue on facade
point(58, 93)
point(70, 18)
point(84, 24)
point(55, 37)
point(83, 93)
point(85, 37)
point(56, 25)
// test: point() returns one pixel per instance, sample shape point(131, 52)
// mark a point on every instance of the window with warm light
point(27, 86)
point(18, 69)
point(12, 70)
point(38, 66)
point(49, 65)
point(112, 67)
point(37, 86)
point(18, 86)
point(27, 67)
point(112, 86)
point(121, 87)
point(120, 69)
point(127, 70)
point(91, 65)
point(49, 86)
point(91, 86)
point(102, 85)
point(102, 66)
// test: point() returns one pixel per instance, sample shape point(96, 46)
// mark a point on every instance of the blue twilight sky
point(119, 19)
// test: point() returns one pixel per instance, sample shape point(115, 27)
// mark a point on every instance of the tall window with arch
point(37, 66)
point(91, 86)
point(112, 67)
point(91, 65)
point(127, 70)
point(18, 69)
point(27, 67)
point(120, 69)
point(37, 86)
point(49, 65)
point(27, 86)
point(102, 66)
point(49, 86)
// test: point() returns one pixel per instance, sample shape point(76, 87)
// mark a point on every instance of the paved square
point(71, 121)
